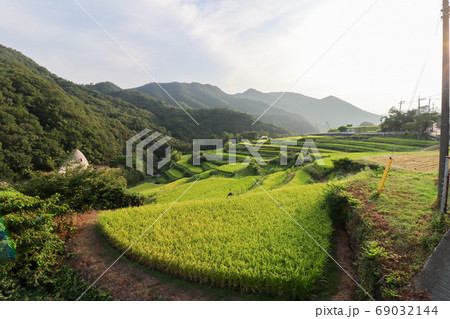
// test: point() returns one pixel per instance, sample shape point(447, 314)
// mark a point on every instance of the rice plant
point(243, 242)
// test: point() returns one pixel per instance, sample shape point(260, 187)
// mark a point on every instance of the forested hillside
point(44, 117)
point(198, 96)
point(212, 121)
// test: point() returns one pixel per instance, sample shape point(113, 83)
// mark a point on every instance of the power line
point(317, 60)
point(424, 65)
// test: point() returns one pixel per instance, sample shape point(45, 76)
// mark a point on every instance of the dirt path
point(346, 287)
point(256, 184)
point(128, 281)
point(125, 280)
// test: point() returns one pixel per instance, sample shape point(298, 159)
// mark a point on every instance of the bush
point(133, 176)
point(254, 168)
point(83, 189)
point(346, 165)
point(32, 264)
point(316, 171)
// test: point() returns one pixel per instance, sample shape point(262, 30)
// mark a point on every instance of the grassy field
point(209, 165)
point(244, 242)
point(422, 162)
point(144, 188)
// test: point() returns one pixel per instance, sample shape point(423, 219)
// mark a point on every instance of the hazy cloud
point(237, 44)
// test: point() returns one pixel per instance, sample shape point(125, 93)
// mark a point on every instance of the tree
point(410, 121)
point(226, 136)
point(396, 120)
point(365, 123)
point(342, 129)
point(422, 121)
point(251, 135)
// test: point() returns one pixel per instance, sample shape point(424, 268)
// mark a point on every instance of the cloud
point(236, 44)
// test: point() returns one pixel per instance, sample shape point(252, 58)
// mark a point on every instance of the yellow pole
point(383, 179)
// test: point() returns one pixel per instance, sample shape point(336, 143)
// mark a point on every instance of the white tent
point(74, 160)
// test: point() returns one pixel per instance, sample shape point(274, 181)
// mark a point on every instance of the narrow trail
point(256, 184)
point(126, 280)
point(344, 256)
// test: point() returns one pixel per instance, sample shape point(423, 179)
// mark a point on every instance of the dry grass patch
point(422, 162)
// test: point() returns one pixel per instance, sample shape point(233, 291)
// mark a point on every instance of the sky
point(271, 46)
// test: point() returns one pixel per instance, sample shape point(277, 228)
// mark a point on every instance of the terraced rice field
point(174, 173)
point(300, 178)
point(189, 168)
point(231, 168)
point(271, 181)
point(244, 242)
point(150, 189)
point(213, 187)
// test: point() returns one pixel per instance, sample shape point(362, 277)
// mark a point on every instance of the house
point(434, 130)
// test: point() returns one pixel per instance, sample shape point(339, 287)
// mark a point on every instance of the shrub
point(32, 243)
point(346, 165)
point(133, 176)
point(83, 189)
point(254, 168)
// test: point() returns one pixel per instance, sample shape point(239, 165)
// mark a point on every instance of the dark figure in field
point(230, 194)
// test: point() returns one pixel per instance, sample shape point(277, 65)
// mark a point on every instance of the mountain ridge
point(197, 95)
point(330, 109)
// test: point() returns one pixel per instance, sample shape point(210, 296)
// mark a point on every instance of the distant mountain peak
point(105, 87)
point(251, 90)
point(317, 111)
point(331, 98)
point(197, 96)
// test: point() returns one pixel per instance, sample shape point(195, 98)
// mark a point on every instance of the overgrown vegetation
point(32, 243)
point(83, 189)
point(392, 235)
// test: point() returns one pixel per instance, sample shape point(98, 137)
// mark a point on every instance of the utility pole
point(418, 104)
point(429, 105)
point(443, 153)
point(401, 103)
